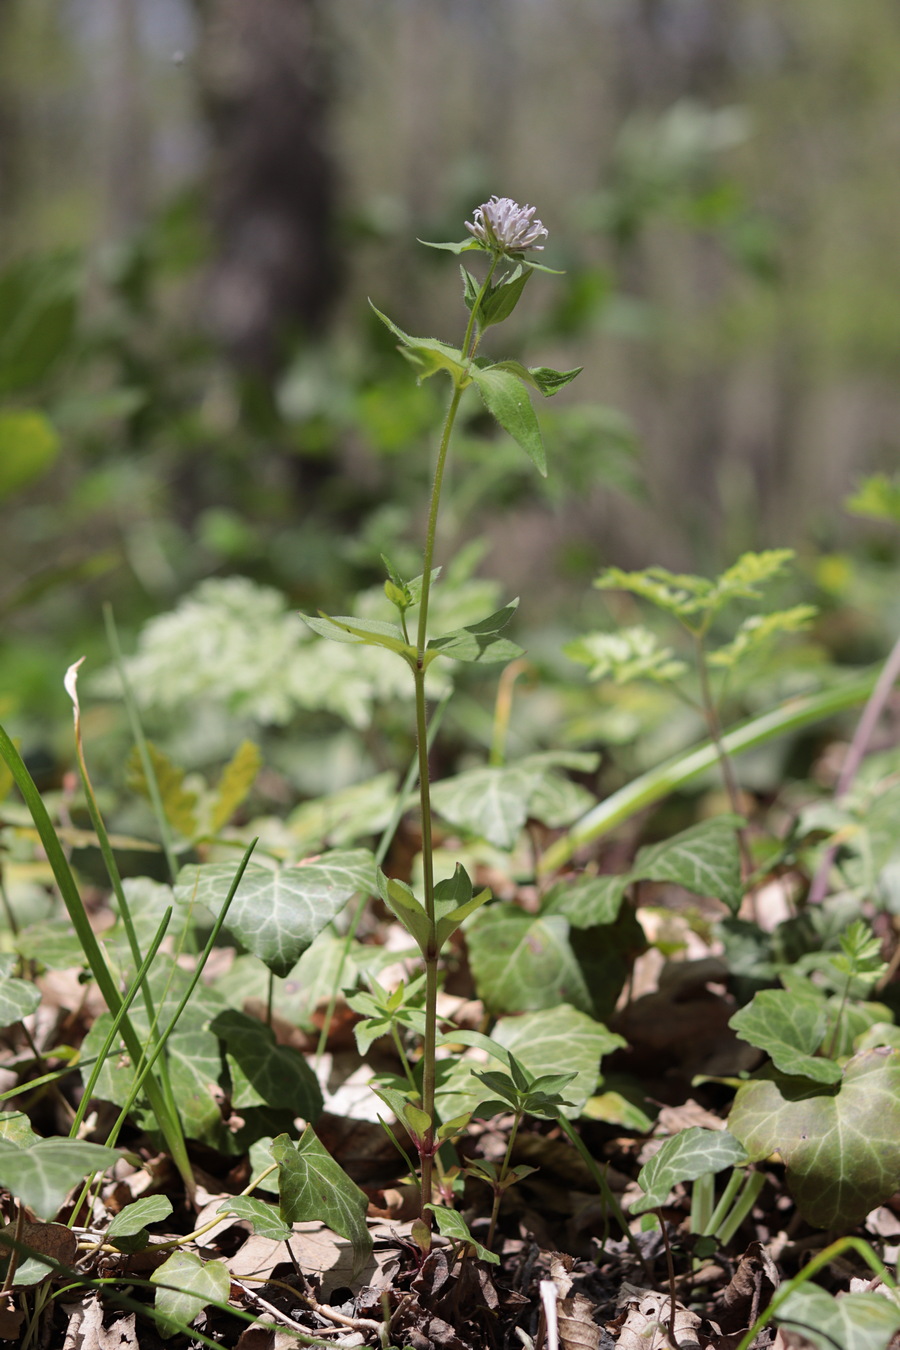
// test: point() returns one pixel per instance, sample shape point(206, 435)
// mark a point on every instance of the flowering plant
point(504, 230)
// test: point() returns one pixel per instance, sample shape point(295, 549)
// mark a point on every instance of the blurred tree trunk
point(264, 83)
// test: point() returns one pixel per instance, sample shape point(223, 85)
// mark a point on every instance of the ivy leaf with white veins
point(42, 1175)
point(864, 1321)
point(18, 998)
point(790, 1026)
point(277, 912)
point(264, 1073)
point(840, 1142)
point(704, 859)
point(313, 1186)
point(684, 1157)
point(193, 1284)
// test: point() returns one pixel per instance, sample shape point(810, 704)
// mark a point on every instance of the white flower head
point(503, 226)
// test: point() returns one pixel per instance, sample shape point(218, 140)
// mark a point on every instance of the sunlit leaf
point(194, 1284)
point(704, 859)
point(684, 1157)
point(313, 1186)
point(506, 399)
point(865, 1321)
point(790, 1027)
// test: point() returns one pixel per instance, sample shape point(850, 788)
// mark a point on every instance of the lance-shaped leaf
point(128, 1230)
point(428, 355)
point(704, 859)
point(506, 399)
point(42, 1174)
point(790, 1027)
point(405, 906)
point(313, 1186)
point(453, 902)
point(236, 780)
point(371, 632)
point(560, 1040)
point(684, 1157)
point(543, 378)
point(499, 300)
point(478, 642)
point(278, 911)
point(452, 1225)
point(469, 245)
point(840, 1142)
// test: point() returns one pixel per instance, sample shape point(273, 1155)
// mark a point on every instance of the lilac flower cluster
point(503, 226)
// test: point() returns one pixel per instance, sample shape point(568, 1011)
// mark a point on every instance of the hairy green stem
point(432, 953)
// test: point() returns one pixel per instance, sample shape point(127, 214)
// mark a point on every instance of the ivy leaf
point(128, 1230)
point(278, 911)
point(686, 1156)
point(522, 962)
point(42, 1174)
point(705, 859)
point(18, 998)
point(840, 1142)
point(313, 1186)
point(266, 1218)
point(790, 1027)
point(195, 1283)
point(452, 1225)
point(506, 400)
point(587, 900)
point(864, 1321)
point(493, 803)
point(264, 1073)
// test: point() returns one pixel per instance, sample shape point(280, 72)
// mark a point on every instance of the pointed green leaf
point(506, 399)
point(840, 1143)
point(865, 1321)
point(560, 1040)
point(470, 245)
point(42, 1175)
point(478, 641)
point(546, 380)
point(371, 632)
point(404, 905)
point(790, 1027)
point(448, 923)
point(500, 300)
point(264, 1073)
point(278, 911)
point(313, 1186)
point(179, 803)
point(704, 859)
point(138, 1214)
point(194, 1283)
point(266, 1218)
point(428, 354)
point(452, 1225)
point(685, 1157)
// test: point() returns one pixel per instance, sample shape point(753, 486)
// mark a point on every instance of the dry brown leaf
point(321, 1255)
point(87, 1332)
point(577, 1328)
point(646, 1325)
point(50, 1239)
point(752, 1286)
